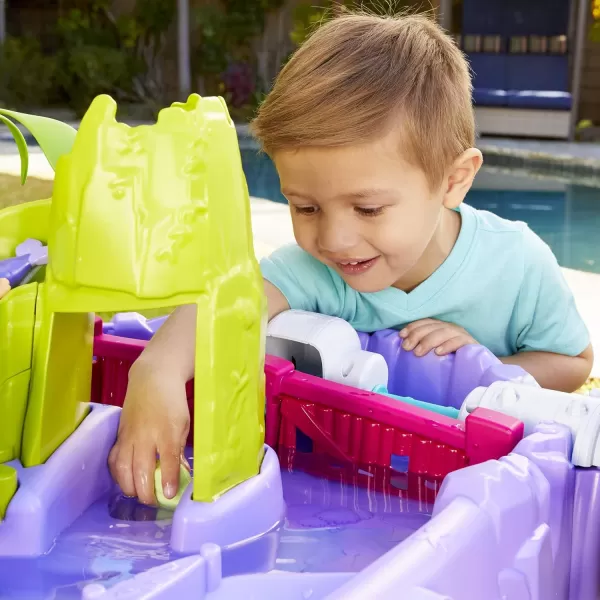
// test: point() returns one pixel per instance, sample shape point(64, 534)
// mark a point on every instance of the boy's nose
point(335, 239)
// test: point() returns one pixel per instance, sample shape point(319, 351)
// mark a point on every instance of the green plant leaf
point(54, 137)
point(21, 145)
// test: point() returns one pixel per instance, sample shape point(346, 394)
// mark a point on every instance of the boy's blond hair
point(358, 76)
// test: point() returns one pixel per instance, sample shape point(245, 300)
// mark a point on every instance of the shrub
point(27, 77)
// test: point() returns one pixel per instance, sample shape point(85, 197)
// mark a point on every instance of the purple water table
point(500, 530)
point(520, 528)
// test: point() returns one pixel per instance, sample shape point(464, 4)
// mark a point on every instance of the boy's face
point(363, 210)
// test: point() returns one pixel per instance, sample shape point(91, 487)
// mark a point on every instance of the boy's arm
point(555, 371)
point(551, 339)
point(172, 348)
point(155, 418)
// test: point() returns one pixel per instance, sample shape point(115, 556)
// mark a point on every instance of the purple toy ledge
point(445, 380)
point(51, 496)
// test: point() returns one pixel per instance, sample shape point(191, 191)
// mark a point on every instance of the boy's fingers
point(417, 335)
point(433, 340)
point(170, 459)
point(453, 345)
point(144, 465)
point(121, 467)
point(410, 328)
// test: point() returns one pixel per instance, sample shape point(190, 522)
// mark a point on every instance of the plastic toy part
point(4, 287)
point(133, 325)
point(327, 347)
point(18, 223)
point(193, 576)
point(362, 428)
point(17, 320)
point(171, 503)
point(446, 380)
point(17, 324)
point(51, 497)
point(501, 530)
point(248, 511)
point(448, 411)
point(54, 137)
point(8, 487)
point(534, 405)
point(29, 254)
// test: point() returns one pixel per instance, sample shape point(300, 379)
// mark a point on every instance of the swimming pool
point(564, 215)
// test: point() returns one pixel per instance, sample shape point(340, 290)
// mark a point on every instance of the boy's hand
point(428, 334)
point(155, 422)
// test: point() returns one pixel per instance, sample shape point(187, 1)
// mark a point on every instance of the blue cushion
point(539, 99)
point(489, 71)
point(489, 97)
point(540, 72)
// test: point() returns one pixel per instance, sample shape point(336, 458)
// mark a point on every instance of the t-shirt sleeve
point(306, 283)
point(547, 318)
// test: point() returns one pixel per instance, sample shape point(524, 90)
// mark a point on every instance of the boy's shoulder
point(489, 222)
point(496, 234)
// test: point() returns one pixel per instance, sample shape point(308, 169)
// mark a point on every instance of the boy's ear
point(459, 178)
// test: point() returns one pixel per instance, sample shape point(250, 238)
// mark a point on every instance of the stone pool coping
point(545, 158)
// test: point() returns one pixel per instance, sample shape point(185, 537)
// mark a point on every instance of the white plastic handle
point(327, 346)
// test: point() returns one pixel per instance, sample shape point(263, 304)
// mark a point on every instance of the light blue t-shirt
point(501, 283)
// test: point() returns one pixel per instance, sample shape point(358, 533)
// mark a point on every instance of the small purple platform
point(248, 511)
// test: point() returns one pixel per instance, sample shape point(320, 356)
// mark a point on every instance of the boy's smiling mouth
point(356, 266)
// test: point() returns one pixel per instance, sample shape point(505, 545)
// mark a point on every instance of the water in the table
point(329, 527)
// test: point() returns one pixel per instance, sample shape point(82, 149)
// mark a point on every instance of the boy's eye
point(369, 211)
point(306, 210)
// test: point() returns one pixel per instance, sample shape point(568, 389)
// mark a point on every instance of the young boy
point(370, 126)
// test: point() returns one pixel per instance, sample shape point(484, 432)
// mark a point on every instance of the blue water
point(567, 218)
point(329, 526)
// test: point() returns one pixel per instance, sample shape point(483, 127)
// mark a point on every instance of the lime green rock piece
point(17, 325)
point(17, 318)
point(8, 486)
point(171, 503)
point(60, 381)
point(143, 218)
point(13, 405)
